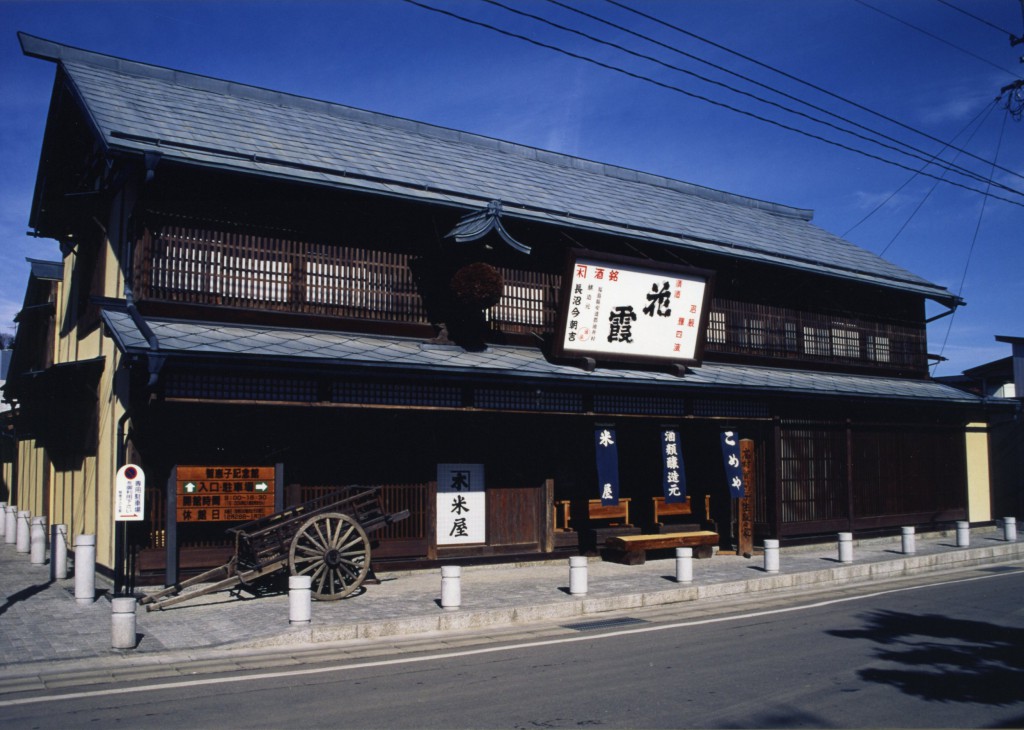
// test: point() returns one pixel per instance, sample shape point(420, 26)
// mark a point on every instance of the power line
point(935, 37)
point(970, 251)
point(920, 154)
point(976, 17)
point(893, 194)
point(798, 80)
point(924, 199)
point(693, 95)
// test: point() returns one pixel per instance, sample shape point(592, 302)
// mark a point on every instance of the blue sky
point(394, 57)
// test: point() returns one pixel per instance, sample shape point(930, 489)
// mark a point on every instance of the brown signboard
point(746, 503)
point(224, 493)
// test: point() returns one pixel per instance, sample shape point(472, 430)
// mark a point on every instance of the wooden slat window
point(211, 267)
point(813, 466)
point(201, 266)
point(529, 302)
point(781, 333)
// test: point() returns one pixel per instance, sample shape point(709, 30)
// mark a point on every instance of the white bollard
point(300, 599)
point(684, 565)
point(85, 569)
point(578, 575)
point(59, 551)
point(771, 556)
point(451, 587)
point(3, 519)
point(37, 539)
point(963, 533)
point(122, 622)
point(23, 531)
point(907, 541)
point(845, 547)
point(1010, 529)
point(11, 525)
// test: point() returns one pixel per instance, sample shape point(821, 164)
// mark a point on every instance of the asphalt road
point(920, 653)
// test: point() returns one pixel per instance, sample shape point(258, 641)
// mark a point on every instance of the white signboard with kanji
point(129, 494)
point(618, 309)
point(461, 504)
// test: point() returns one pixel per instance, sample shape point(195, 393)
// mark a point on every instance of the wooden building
point(257, 280)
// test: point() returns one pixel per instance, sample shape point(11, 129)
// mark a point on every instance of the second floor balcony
point(203, 268)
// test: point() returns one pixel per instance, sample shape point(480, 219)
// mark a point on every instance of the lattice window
point(812, 467)
point(258, 279)
point(640, 405)
point(878, 348)
point(817, 341)
point(845, 342)
point(755, 333)
point(408, 394)
point(708, 408)
point(217, 267)
point(237, 387)
point(777, 332)
point(520, 304)
point(528, 400)
point(716, 328)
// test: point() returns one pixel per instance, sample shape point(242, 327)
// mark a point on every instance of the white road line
point(475, 652)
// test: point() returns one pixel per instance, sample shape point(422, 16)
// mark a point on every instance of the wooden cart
point(325, 538)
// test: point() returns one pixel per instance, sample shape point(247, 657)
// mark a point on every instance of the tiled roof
point(199, 120)
point(405, 355)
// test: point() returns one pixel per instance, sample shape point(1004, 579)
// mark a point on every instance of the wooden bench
point(632, 549)
point(675, 509)
point(615, 514)
point(593, 522)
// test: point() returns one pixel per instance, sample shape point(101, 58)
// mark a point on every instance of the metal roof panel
point(323, 348)
point(228, 125)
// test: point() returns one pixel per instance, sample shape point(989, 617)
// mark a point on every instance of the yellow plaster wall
point(7, 475)
point(979, 490)
point(33, 468)
point(83, 497)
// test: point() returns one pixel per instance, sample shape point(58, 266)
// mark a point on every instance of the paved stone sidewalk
point(41, 623)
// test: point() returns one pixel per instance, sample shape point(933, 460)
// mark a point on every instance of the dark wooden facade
point(872, 468)
point(311, 250)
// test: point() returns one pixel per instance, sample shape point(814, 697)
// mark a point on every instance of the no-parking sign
point(130, 494)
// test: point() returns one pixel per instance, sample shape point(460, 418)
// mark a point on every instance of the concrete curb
point(463, 620)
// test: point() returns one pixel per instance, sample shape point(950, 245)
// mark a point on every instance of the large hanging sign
point(623, 309)
point(607, 465)
point(224, 493)
point(674, 476)
point(733, 467)
point(461, 504)
point(130, 494)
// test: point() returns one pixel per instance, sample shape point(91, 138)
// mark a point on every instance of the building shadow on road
point(944, 659)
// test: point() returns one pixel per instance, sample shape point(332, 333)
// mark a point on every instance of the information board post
point(217, 493)
point(129, 506)
point(171, 528)
point(225, 493)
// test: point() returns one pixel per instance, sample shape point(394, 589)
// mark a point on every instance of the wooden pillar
point(745, 538)
point(171, 528)
point(547, 543)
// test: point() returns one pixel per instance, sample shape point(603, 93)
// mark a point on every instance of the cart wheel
point(334, 551)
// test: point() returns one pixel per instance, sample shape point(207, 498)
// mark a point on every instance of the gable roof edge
point(47, 50)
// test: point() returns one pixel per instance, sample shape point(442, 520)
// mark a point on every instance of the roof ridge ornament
point(474, 226)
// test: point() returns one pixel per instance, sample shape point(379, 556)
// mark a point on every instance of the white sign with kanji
point(129, 494)
point(622, 310)
point(461, 504)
